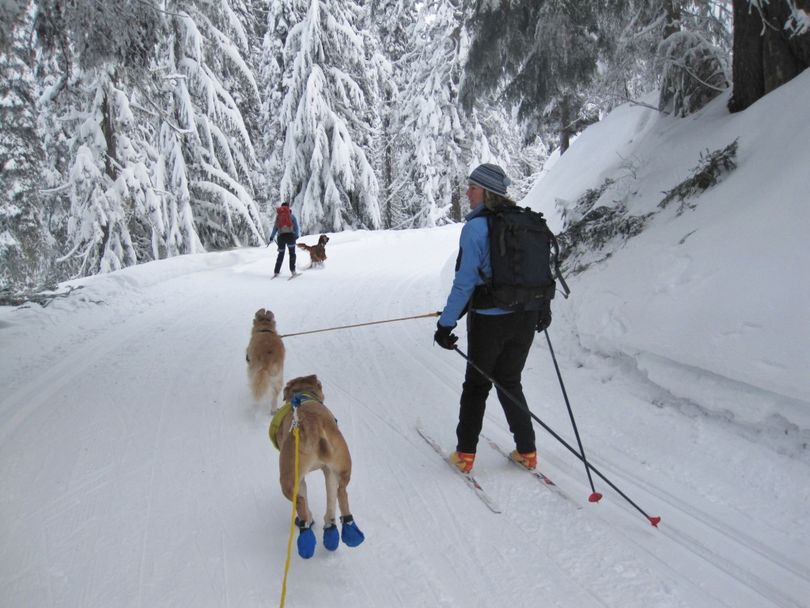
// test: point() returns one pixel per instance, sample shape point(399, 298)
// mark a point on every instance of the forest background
point(144, 129)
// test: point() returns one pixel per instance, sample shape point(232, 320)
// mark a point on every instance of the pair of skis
point(295, 275)
point(473, 483)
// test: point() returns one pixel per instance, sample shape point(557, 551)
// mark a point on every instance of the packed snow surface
point(136, 470)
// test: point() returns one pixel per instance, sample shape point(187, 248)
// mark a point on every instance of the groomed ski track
point(137, 472)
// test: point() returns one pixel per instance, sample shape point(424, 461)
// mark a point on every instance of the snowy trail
point(137, 472)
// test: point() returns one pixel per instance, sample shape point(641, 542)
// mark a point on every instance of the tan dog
point(317, 253)
point(265, 359)
point(320, 446)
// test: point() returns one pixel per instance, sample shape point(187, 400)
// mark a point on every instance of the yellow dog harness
point(297, 400)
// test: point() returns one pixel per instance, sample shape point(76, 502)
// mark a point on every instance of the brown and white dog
point(317, 253)
point(322, 446)
point(265, 360)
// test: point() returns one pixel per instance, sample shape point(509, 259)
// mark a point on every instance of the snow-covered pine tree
point(429, 163)
point(11, 12)
point(693, 72)
point(328, 177)
point(98, 150)
point(693, 55)
point(24, 260)
point(544, 55)
point(677, 46)
point(498, 138)
point(213, 78)
point(145, 129)
point(391, 21)
point(282, 15)
point(381, 90)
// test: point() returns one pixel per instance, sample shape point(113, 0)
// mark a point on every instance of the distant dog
point(317, 253)
point(320, 446)
point(265, 359)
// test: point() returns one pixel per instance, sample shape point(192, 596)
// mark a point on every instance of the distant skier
point(286, 225)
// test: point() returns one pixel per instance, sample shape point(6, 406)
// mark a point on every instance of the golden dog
point(317, 253)
point(320, 446)
point(265, 359)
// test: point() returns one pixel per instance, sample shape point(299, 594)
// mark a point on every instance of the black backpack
point(523, 252)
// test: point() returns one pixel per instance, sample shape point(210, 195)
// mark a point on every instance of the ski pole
point(595, 496)
point(316, 331)
point(654, 520)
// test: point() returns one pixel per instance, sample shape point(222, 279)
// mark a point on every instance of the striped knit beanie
point(490, 177)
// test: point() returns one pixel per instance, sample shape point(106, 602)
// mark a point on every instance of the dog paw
point(331, 538)
point(351, 534)
point(306, 543)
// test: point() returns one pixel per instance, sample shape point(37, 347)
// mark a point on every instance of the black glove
point(544, 319)
point(444, 338)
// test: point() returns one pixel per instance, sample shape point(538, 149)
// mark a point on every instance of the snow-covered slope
point(135, 471)
point(713, 304)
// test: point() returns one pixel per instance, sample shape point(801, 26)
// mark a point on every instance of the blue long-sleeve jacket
point(473, 259)
point(296, 231)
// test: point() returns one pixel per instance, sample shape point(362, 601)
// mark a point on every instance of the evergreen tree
point(24, 259)
point(540, 55)
point(151, 153)
point(428, 156)
point(11, 12)
point(218, 151)
point(281, 17)
point(392, 22)
point(328, 178)
point(694, 72)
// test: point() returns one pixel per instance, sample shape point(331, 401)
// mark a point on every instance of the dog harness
point(298, 399)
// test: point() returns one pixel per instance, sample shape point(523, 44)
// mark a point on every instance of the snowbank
point(712, 304)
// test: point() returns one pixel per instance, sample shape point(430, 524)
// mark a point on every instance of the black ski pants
point(286, 240)
point(499, 345)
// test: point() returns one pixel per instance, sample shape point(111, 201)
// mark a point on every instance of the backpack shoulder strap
point(555, 255)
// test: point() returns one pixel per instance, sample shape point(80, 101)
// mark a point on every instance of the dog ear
point(288, 390)
point(315, 383)
point(259, 314)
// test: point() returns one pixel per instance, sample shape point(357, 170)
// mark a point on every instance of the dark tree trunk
point(108, 128)
point(746, 68)
point(673, 12)
point(782, 57)
point(565, 126)
point(766, 56)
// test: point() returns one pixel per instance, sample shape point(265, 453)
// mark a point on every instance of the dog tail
point(263, 378)
point(304, 246)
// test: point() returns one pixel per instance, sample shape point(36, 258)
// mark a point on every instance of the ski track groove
point(711, 521)
point(28, 399)
point(693, 545)
point(745, 577)
point(149, 504)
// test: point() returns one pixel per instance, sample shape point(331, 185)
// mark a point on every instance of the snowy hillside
point(135, 471)
point(712, 304)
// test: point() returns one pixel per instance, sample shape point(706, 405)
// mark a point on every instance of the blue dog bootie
point(331, 537)
point(350, 533)
point(306, 539)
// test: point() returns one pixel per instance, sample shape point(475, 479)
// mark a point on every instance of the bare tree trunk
point(766, 56)
point(565, 125)
point(108, 128)
point(746, 68)
point(673, 10)
point(782, 58)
